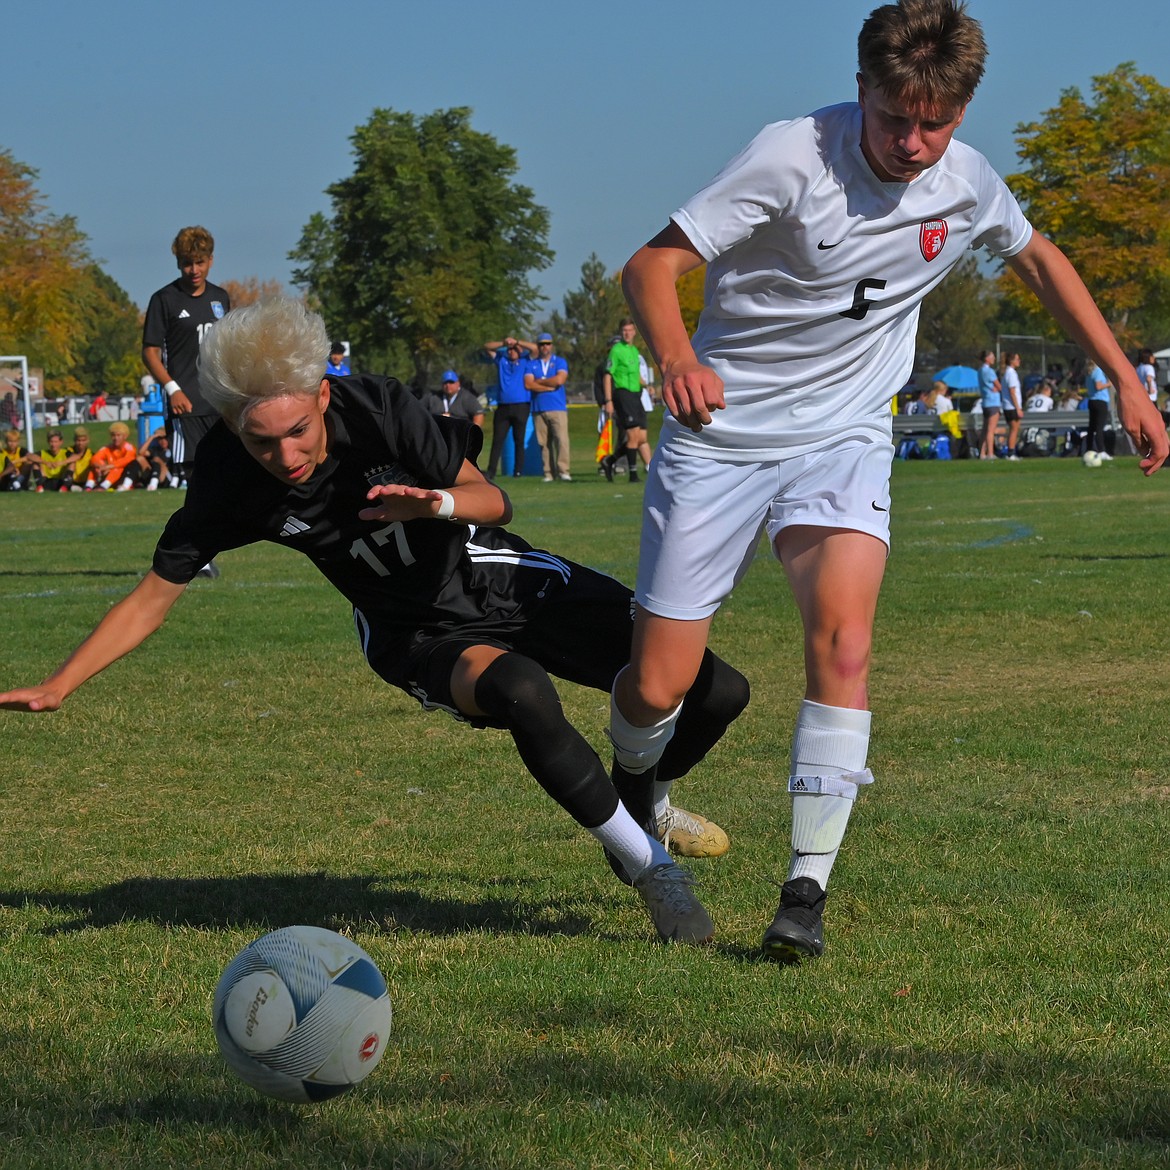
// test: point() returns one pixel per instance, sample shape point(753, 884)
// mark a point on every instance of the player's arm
point(607, 387)
point(471, 499)
point(126, 626)
point(1045, 269)
point(152, 360)
point(689, 389)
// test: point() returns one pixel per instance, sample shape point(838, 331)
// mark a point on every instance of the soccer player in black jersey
point(457, 611)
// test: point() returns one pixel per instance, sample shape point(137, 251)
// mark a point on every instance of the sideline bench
point(1056, 422)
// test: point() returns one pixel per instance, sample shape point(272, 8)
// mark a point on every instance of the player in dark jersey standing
point(386, 500)
point(177, 319)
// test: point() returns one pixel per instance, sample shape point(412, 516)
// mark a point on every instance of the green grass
point(993, 993)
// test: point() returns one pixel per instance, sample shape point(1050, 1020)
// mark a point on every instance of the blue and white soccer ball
point(302, 1014)
point(1092, 458)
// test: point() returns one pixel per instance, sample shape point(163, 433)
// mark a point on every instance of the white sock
point(828, 742)
point(638, 749)
point(629, 844)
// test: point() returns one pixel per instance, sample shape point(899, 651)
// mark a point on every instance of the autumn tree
point(430, 243)
point(690, 296)
point(42, 257)
point(57, 305)
point(250, 290)
point(1094, 180)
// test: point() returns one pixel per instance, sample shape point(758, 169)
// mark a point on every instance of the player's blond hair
point(193, 243)
point(119, 428)
point(270, 349)
point(927, 53)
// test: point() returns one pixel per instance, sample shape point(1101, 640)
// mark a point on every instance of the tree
point(43, 257)
point(690, 288)
point(956, 320)
point(250, 290)
point(1094, 180)
point(590, 319)
point(109, 355)
point(429, 244)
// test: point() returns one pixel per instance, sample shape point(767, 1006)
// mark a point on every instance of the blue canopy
point(959, 377)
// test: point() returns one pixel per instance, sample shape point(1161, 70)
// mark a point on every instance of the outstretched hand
point(35, 699)
point(397, 501)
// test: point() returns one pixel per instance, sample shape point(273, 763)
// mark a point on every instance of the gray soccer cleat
point(677, 914)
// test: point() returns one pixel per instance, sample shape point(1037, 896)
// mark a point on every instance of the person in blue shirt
point(337, 366)
point(545, 380)
point(991, 399)
point(511, 415)
point(1098, 386)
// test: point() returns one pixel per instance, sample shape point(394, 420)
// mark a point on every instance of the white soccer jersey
point(815, 271)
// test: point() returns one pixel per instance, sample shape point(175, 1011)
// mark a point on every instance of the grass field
point(994, 990)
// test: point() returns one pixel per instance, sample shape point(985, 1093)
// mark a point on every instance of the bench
point(1056, 422)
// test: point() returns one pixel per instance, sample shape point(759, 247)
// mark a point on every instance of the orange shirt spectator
point(111, 461)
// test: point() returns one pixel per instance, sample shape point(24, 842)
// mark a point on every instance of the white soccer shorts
point(702, 517)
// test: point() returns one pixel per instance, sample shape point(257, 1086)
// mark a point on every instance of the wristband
point(172, 388)
point(446, 507)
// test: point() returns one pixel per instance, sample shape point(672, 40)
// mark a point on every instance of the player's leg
point(499, 432)
point(691, 557)
point(835, 576)
point(516, 692)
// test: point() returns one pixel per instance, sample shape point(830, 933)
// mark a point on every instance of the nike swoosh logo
point(823, 247)
point(874, 506)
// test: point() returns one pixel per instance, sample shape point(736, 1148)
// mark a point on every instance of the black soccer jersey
point(406, 576)
point(176, 323)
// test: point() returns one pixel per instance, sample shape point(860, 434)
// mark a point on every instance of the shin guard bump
point(820, 809)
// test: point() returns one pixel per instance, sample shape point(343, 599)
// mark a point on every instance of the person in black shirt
point(178, 318)
point(386, 499)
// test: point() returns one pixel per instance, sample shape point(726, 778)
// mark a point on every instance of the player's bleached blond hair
point(926, 53)
point(119, 428)
point(270, 349)
point(193, 243)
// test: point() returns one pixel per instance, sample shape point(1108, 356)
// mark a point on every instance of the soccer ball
point(1091, 458)
point(302, 1014)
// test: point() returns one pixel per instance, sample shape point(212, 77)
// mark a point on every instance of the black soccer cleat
point(797, 931)
point(607, 467)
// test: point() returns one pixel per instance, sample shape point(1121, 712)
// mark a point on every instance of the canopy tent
point(959, 377)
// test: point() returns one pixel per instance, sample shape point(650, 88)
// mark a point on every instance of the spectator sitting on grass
point(111, 461)
point(15, 464)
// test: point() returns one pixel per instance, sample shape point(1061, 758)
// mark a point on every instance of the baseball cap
point(545, 337)
point(450, 376)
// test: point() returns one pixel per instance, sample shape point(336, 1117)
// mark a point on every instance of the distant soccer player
point(386, 500)
point(178, 318)
point(821, 239)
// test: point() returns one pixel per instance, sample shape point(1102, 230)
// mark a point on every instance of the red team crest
point(932, 237)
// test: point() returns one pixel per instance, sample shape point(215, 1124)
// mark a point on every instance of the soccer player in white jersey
point(821, 239)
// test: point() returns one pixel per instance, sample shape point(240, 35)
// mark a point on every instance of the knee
point(720, 690)
point(516, 690)
point(842, 649)
point(650, 695)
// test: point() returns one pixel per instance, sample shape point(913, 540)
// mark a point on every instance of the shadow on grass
point(267, 901)
point(833, 1099)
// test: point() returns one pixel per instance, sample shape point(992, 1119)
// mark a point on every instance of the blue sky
point(144, 117)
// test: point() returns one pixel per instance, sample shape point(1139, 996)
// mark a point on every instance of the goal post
point(22, 361)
